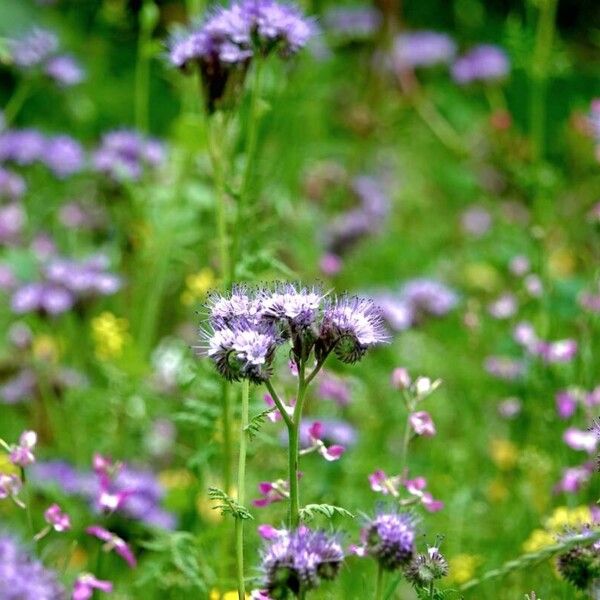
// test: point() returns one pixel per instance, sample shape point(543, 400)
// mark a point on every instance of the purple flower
point(534, 286)
point(504, 367)
point(23, 146)
point(519, 265)
point(57, 519)
point(476, 221)
point(299, 560)
point(293, 306)
point(43, 298)
point(334, 388)
point(86, 584)
point(482, 63)
point(504, 307)
point(22, 577)
point(566, 404)
point(330, 264)
point(271, 492)
point(390, 539)
point(113, 542)
point(524, 334)
point(63, 156)
point(350, 326)
point(578, 439)
point(422, 423)
point(574, 478)
point(21, 454)
point(510, 408)
point(18, 388)
point(353, 22)
point(561, 351)
point(12, 186)
point(65, 70)
point(7, 278)
point(422, 49)
point(34, 48)
point(12, 222)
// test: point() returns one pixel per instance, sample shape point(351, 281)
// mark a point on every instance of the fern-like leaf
point(227, 505)
point(257, 422)
point(310, 511)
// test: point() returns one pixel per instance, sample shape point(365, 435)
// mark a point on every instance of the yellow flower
point(504, 454)
point(197, 285)
point(568, 517)
point(462, 567)
point(175, 479)
point(110, 335)
point(232, 595)
point(538, 539)
point(45, 347)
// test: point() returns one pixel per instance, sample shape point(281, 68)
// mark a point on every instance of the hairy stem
point(239, 523)
point(293, 451)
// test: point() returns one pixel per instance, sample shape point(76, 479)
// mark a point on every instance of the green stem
point(148, 16)
point(431, 590)
point(16, 101)
point(405, 444)
point(239, 523)
point(293, 448)
point(539, 76)
point(278, 403)
point(379, 583)
point(27, 496)
point(227, 446)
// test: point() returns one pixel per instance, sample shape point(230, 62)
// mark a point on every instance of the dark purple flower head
point(422, 49)
point(482, 63)
point(34, 48)
point(65, 70)
point(24, 578)
point(390, 539)
point(298, 560)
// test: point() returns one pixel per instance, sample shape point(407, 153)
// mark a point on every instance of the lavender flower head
point(63, 156)
point(297, 561)
point(12, 186)
point(422, 49)
point(24, 578)
point(64, 70)
point(353, 22)
point(33, 48)
point(482, 63)
point(390, 539)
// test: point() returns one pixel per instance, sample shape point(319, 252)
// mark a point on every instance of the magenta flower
point(383, 484)
point(331, 453)
point(57, 519)
point(272, 492)
point(401, 379)
point(276, 415)
point(574, 478)
point(578, 439)
point(21, 454)
point(268, 532)
point(566, 404)
point(422, 423)
point(113, 542)
point(334, 388)
point(330, 264)
point(416, 487)
point(86, 584)
point(561, 351)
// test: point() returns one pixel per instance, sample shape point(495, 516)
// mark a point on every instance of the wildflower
point(63, 156)
point(422, 49)
point(10, 486)
point(64, 70)
point(110, 335)
point(43, 298)
point(197, 286)
point(504, 367)
point(329, 431)
point(12, 186)
point(271, 492)
point(113, 542)
point(276, 415)
point(268, 532)
point(427, 567)
point(510, 408)
point(580, 565)
point(330, 264)
point(504, 454)
point(35, 47)
point(524, 334)
point(12, 223)
point(519, 265)
point(401, 379)
point(297, 561)
point(294, 307)
point(422, 423)
point(462, 567)
point(428, 297)
point(416, 487)
point(350, 326)
point(566, 403)
point(56, 519)
point(482, 63)
point(504, 307)
point(331, 453)
point(24, 577)
point(85, 585)
point(581, 440)
point(352, 22)
point(476, 221)
point(534, 286)
point(538, 539)
point(334, 388)
point(389, 538)
point(574, 478)
point(557, 352)
point(21, 454)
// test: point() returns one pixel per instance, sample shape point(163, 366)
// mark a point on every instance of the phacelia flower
point(65, 70)
point(427, 567)
point(34, 48)
point(390, 539)
point(297, 561)
point(293, 306)
point(422, 49)
point(580, 565)
point(482, 63)
point(85, 585)
point(12, 186)
point(352, 22)
point(113, 542)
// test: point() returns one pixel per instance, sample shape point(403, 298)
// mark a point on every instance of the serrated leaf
point(310, 511)
point(257, 422)
point(227, 505)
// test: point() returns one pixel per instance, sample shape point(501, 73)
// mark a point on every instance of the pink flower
point(422, 423)
point(272, 492)
point(21, 455)
point(504, 307)
point(113, 542)
point(524, 334)
point(557, 352)
point(581, 440)
point(574, 478)
point(268, 532)
point(86, 584)
point(401, 379)
point(534, 286)
point(331, 453)
point(10, 486)
point(110, 502)
point(330, 264)
point(416, 487)
point(383, 484)
point(519, 265)
point(566, 403)
point(593, 398)
point(334, 388)
point(57, 519)
point(510, 408)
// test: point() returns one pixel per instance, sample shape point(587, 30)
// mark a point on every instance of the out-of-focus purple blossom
point(315, 434)
point(21, 454)
point(504, 307)
point(395, 310)
point(10, 486)
point(352, 22)
point(18, 388)
point(34, 48)
point(125, 154)
point(428, 297)
point(401, 379)
point(561, 351)
point(41, 297)
point(578, 439)
point(332, 387)
point(43, 246)
point(504, 367)
point(65, 70)
point(85, 585)
point(113, 542)
point(593, 397)
point(390, 539)
point(23, 577)
point(519, 265)
point(57, 519)
point(84, 278)
point(510, 408)
point(524, 334)
point(566, 404)
point(63, 156)
point(161, 438)
point(330, 264)
point(534, 286)
point(77, 215)
point(476, 221)
point(7, 278)
point(22, 146)
point(416, 487)
point(482, 63)
point(422, 49)
point(12, 186)
point(12, 221)
point(422, 423)
point(590, 302)
point(574, 478)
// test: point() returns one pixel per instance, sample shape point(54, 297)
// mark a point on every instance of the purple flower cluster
point(142, 493)
point(12, 222)
point(550, 352)
point(415, 301)
point(12, 186)
point(64, 283)
point(353, 22)
point(37, 49)
point(224, 44)
point(367, 218)
point(390, 539)
point(246, 327)
point(61, 154)
point(422, 49)
point(24, 578)
point(482, 63)
point(124, 154)
point(297, 561)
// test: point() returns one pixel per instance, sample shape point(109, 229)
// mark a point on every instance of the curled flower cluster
point(224, 44)
point(580, 566)
point(390, 539)
point(246, 327)
point(295, 561)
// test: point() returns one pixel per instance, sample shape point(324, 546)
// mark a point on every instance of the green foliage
point(310, 511)
point(257, 421)
point(227, 505)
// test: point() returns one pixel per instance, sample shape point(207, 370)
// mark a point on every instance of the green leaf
point(256, 422)
point(310, 511)
point(227, 505)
